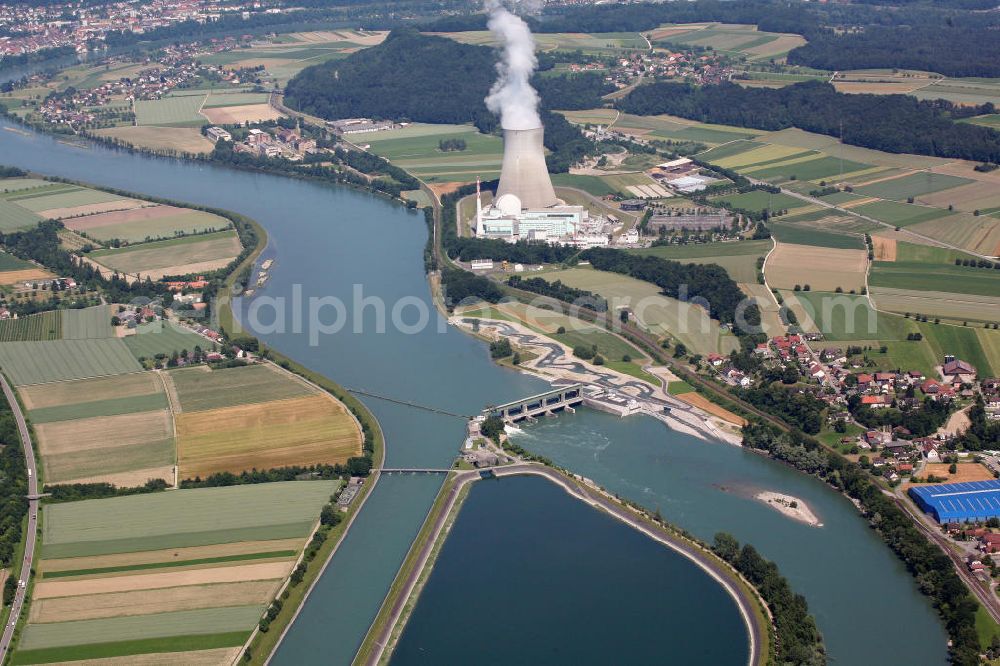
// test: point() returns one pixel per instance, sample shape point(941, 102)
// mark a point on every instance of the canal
point(330, 242)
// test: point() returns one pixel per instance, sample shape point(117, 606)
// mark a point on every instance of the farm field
point(183, 139)
point(758, 200)
point(177, 576)
point(9, 262)
point(56, 360)
point(106, 447)
point(662, 127)
point(65, 197)
point(181, 111)
point(200, 388)
point(801, 234)
point(601, 42)
point(980, 234)
point(947, 305)
point(147, 223)
point(159, 337)
point(655, 312)
point(821, 268)
point(842, 317)
point(739, 259)
point(296, 431)
point(18, 184)
point(913, 185)
point(770, 319)
point(88, 323)
point(900, 214)
point(737, 39)
point(595, 185)
point(16, 218)
point(920, 276)
point(178, 256)
point(416, 149)
point(42, 326)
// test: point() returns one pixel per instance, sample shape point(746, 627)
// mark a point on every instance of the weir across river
point(561, 398)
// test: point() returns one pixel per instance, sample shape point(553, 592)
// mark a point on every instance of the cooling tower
point(524, 173)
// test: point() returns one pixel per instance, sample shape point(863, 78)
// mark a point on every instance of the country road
point(32, 529)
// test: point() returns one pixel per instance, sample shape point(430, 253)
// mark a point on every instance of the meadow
point(9, 262)
point(741, 40)
point(183, 139)
point(800, 234)
point(657, 313)
point(962, 342)
point(69, 196)
point(739, 259)
point(946, 305)
point(912, 185)
point(759, 200)
point(16, 218)
point(87, 323)
point(821, 268)
point(180, 111)
point(920, 276)
point(845, 317)
point(415, 148)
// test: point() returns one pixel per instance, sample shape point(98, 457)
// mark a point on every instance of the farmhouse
point(958, 372)
point(218, 134)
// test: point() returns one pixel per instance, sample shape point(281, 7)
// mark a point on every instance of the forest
point(560, 291)
point(892, 123)
point(409, 76)
point(708, 284)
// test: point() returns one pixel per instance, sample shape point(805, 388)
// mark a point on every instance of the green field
point(134, 647)
point(416, 149)
point(927, 254)
point(900, 214)
point(109, 407)
point(655, 312)
point(69, 197)
point(186, 222)
point(168, 254)
point(160, 337)
point(18, 184)
point(921, 276)
point(9, 262)
point(87, 324)
point(759, 200)
point(803, 235)
point(201, 390)
point(42, 326)
point(15, 218)
point(199, 516)
point(171, 111)
point(914, 185)
point(56, 360)
point(849, 317)
point(133, 627)
point(960, 341)
point(813, 169)
point(739, 259)
point(219, 99)
point(594, 185)
point(729, 150)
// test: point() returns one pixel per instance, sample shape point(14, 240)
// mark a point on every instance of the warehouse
point(959, 502)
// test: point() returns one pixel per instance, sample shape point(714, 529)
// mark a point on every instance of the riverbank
point(793, 507)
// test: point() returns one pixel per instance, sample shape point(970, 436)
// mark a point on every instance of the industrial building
point(526, 207)
point(970, 501)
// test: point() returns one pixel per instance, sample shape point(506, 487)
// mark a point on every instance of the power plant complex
point(526, 207)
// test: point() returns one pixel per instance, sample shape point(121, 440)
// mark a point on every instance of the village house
point(957, 371)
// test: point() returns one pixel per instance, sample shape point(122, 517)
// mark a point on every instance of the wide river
point(331, 242)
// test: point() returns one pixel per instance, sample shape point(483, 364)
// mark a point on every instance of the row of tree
point(560, 291)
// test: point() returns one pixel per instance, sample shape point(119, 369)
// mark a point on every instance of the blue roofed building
point(959, 502)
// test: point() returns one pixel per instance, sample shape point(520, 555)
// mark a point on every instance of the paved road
point(29, 548)
point(747, 604)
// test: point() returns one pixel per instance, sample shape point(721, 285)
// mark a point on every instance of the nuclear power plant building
point(526, 207)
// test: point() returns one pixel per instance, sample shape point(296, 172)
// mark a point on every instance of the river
point(326, 240)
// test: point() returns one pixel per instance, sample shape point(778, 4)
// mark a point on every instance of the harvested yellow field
point(822, 268)
point(128, 479)
point(966, 472)
point(296, 431)
point(183, 269)
point(878, 87)
point(885, 248)
point(141, 602)
point(154, 556)
point(92, 209)
point(182, 139)
point(26, 275)
point(231, 115)
point(55, 394)
point(701, 402)
point(212, 657)
point(769, 317)
point(49, 589)
point(102, 432)
point(858, 202)
point(974, 196)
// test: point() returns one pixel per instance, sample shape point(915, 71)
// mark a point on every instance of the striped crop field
point(57, 360)
point(159, 337)
point(178, 256)
point(42, 326)
point(16, 218)
point(87, 324)
point(201, 388)
point(194, 517)
point(67, 197)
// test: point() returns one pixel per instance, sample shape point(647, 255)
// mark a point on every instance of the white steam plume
point(512, 96)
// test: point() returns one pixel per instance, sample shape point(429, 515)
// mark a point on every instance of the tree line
point(891, 123)
point(560, 291)
point(13, 492)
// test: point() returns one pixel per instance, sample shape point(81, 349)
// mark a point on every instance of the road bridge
point(561, 398)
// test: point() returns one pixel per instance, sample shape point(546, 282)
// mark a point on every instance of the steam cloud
point(512, 96)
